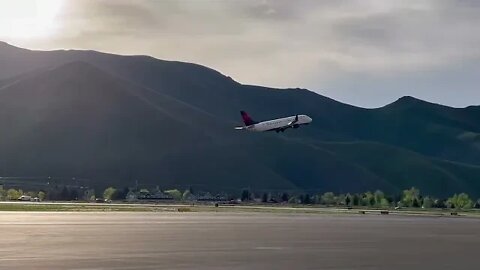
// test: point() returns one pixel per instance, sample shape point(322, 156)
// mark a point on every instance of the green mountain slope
point(77, 120)
point(117, 119)
point(403, 168)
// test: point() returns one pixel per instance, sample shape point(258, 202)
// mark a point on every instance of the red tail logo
point(247, 119)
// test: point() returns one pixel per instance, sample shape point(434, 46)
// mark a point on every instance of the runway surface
point(235, 241)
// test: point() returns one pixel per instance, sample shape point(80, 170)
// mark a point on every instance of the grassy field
point(59, 207)
point(281, 209)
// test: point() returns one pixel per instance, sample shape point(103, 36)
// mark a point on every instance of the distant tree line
point(378, 199)
point(15, 194)
point(411, 198)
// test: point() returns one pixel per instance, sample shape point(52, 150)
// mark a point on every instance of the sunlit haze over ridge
point(28, 19)
point(366, 53)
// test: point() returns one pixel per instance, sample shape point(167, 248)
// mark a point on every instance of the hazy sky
point(362, 52)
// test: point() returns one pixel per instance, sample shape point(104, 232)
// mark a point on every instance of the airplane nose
point(309, 119)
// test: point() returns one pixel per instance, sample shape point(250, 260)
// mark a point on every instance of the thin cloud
point(313, 44)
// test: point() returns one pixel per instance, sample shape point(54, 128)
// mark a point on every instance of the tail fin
point(247, 119)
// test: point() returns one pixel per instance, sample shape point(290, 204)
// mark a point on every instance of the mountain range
point(118, 119)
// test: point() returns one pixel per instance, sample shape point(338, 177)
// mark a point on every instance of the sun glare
point(28, 18)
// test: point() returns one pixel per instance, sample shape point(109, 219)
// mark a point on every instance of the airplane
point(277, 125)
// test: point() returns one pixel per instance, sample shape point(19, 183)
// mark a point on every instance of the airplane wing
point(240, 128)
point(294, 121)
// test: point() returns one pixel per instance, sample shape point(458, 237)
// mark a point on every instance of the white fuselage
point(280, 123)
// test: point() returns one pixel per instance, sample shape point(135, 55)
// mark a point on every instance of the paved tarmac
point(235, 241)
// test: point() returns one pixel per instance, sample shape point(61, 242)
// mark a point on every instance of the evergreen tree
point(73, 194)
point(246, 196)
point(348, 200)
point(306, 199)
point(415, 203)
point(264, 197)
point(64, 194)
point(477, 204)
point(356, 200)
